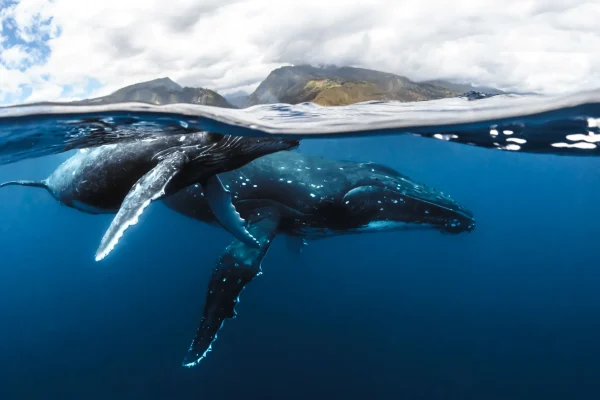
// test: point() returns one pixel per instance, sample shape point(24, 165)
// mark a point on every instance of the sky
point(57, 50)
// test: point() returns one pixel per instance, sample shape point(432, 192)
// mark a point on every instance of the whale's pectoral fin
point(236, 268)
point(219, 201)
point(149, 187)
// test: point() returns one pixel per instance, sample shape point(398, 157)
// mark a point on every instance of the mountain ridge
point(326, 86)
point(161, 91)
point(334, 86)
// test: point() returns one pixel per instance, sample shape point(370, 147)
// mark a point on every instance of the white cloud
point(11, 81)
point(548, 46)
point(15, 57)
point(45, 92)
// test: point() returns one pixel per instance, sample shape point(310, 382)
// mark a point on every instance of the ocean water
point(567, 124)
point(508, 311)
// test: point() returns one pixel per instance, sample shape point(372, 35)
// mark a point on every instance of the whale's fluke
point(238, 265)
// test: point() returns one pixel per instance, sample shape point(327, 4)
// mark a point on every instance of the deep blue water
point(509, 311)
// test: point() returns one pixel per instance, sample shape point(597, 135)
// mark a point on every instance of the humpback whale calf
point(125, 178)
point(308, 198)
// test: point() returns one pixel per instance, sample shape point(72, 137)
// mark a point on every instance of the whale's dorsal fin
point(238, 265)
point(149, 187)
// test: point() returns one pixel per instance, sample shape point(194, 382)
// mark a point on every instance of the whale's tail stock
point(39, 184)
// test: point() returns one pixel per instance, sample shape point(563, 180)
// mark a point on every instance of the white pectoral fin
point(219, 201)
point(149, 187)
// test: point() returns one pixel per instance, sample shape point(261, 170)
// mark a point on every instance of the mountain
point(327, 86)
point(463, 88)
point(238, 99)
point(161, 91)
point(335, 86)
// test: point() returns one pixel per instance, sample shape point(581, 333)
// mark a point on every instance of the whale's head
point(387, 200)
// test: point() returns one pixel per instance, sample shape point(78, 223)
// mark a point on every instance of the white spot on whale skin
point(289, 181)
point(312, 195)
point(507, 132)
point(584, 145)
point(513, 147)
point(517, 140)
point(493, 132)
point(182, 138)
point(591, 138)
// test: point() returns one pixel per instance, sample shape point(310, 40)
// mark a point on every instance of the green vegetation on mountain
point(336, 86)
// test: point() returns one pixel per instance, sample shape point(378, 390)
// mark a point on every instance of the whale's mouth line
point(383, 225)
point(298, 213)
point(452, 210)
point(378, 226)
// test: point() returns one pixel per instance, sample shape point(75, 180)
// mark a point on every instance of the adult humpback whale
point(126, 178)
point(307, 197)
